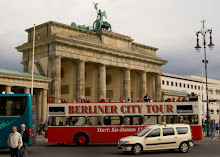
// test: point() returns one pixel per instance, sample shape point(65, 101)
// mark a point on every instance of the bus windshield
point(12, 106)
point(142, 132)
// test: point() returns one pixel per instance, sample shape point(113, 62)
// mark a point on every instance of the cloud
point(169, 25)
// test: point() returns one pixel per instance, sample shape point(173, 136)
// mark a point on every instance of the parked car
point(157, 137)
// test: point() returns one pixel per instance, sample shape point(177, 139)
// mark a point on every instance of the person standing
point(41, 128)
point(14, 142)
point(25, 140)
point(217, 130)
point(147, 98)
point(213, 129)
point(204, 128)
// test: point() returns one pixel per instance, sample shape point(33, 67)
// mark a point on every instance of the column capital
point(143, 71)
point(80, 61)
point(56, 57)
point(27, 90)
point(124, 69)
point(101, 65)
point(8, 85)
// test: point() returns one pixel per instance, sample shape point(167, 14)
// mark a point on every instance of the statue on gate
point(99, 23)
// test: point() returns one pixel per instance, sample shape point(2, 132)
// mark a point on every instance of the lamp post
point(203, 32)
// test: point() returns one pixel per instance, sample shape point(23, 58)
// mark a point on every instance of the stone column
point(143, 86)
point(153, 97)
point(25, 66)
point(38, 104)
point(102, 82)
point(158, 87)
point(8, 90)
point(44, 106)
point(26, 90)
point(80, 80)
point(127, 84)
point(8, 103)
point(56, 76)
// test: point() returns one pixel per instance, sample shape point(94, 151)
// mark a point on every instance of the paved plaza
point(204, 148)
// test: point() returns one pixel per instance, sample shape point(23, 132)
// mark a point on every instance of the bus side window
point(57, 121)
point(148, 120)
point(76, 121)
point(172, 119)
point(128, 120)
point(196, 120)
point(189, 119)
point(133, 120)
point(95, 120)
point(140, 120)
point(113, 120)
point(137, 120)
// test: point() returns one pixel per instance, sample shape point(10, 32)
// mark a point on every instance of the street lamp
point(203, 32)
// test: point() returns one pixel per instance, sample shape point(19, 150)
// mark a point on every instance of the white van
point(156, 137)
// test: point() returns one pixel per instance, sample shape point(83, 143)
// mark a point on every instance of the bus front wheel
point(81, 139)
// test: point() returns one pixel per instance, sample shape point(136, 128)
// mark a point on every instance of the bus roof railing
point(52, 99)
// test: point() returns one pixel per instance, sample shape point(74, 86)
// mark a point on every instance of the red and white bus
point(84, 123)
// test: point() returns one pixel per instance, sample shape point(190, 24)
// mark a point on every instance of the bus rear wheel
point(81, 139)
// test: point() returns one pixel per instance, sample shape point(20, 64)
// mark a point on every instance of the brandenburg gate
point(93, 65)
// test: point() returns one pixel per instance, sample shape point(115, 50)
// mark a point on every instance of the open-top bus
point(17, 109)
point(84, 123)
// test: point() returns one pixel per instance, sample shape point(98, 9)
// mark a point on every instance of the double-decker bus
point(17, 109)
point(84, 123)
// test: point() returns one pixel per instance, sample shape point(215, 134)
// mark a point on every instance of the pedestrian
point(41, 128)
point(213, 129)
point(14, 142)
point(217, 130)
point(146, 98)
point(25, 140)
point(204, 128)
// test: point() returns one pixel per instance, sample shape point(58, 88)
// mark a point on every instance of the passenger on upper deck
point(193, 97)
point(111, 100)
point(146, 98)
point(122, 100)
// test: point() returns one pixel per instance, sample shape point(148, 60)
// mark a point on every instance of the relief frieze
point(138, 64)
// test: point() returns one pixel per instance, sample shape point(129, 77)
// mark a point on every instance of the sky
point(169, 25)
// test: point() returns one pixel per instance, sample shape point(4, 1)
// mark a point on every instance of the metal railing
point(53, 99)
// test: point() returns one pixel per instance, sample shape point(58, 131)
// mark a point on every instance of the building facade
point(176, 86)
point(15, 82)
point(92, 65)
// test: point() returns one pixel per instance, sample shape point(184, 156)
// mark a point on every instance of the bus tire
point(184, 147)
point(81, 139)
point(136, 149)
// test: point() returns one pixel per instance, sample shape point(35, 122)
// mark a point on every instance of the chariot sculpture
point(99, 23)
